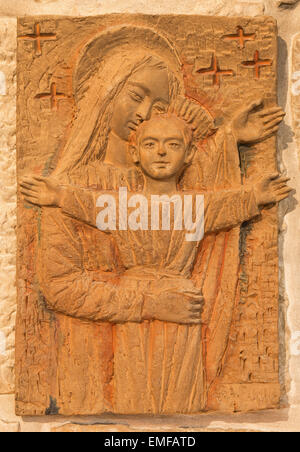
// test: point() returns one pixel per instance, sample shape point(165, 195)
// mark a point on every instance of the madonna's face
point(144, 92)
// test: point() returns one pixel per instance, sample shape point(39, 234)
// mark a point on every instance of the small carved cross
point(256, 63)
point(54, 96)
point(215, 71)
point(240, 37)
point(38, 37)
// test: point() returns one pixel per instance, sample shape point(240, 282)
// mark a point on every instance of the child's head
point(163, 146)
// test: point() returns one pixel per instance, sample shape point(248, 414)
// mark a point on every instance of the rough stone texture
point(264, 421)
point(295, 89)
point(290, 246)
point(77, 428)
point(288, 24)
point(9, 427)
point(7, 201)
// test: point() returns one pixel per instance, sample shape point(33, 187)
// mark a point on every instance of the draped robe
point(147, 367)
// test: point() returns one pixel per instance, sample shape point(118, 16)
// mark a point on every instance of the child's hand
point(41, 191)
point(272, 188)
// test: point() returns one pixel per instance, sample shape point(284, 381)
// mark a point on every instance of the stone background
point(287, 13)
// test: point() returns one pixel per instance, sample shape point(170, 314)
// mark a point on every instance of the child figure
point(159, 326)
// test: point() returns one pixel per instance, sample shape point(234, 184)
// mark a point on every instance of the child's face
point(162, 147)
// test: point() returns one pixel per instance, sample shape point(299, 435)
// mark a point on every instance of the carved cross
point(215, 71)
point(240, 37)
point(54, 96)
point(38, 37)
point(257, 64)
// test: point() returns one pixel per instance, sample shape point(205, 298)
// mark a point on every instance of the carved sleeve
point(80, 203)
point(229, 208)
point(71, 289)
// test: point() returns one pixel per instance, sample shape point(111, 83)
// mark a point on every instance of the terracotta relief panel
point(121, 310)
